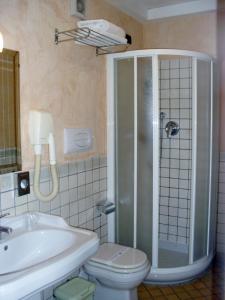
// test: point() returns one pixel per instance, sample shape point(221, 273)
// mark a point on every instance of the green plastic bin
point(75, 289)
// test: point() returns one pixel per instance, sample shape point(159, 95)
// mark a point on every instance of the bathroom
point(76, 86)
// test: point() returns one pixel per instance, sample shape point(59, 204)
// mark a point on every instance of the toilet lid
point(118, 256)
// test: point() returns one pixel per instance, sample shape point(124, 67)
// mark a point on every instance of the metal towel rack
point(86, 36)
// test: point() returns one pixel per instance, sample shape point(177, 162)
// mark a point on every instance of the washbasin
point(41, 250)
point(31, 248)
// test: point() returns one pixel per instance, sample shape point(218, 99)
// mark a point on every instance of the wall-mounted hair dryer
point(41, 132)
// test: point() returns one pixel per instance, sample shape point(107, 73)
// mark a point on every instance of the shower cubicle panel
point(214, 160)
point(202, 127)
point(124, 134)
point(144, 154)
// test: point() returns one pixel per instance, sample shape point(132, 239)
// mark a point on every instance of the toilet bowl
point(117, 271)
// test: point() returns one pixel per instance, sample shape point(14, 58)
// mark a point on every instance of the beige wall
point(191, 32)
point(67, 80)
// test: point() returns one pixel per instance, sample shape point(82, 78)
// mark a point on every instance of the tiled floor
point(210, 286)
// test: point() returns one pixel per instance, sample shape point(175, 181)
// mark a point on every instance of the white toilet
point(117, 271)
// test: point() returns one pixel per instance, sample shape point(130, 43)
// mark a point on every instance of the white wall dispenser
point(77, 140)
point(41, 131)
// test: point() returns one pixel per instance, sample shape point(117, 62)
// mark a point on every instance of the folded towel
point(102, 26)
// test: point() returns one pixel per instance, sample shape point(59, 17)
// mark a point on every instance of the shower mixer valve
point(172, 128)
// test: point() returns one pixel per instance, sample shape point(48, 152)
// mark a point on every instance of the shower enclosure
point(162, 158)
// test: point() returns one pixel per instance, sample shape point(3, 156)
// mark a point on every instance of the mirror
point(10, 145)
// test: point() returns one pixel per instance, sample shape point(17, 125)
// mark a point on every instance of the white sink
point(41, 250)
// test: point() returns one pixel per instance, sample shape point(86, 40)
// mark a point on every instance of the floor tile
point(211, 286)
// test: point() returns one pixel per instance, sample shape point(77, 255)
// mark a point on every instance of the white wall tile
point(21, 200)
point(164, 64)
point(89, 177)
point(81, 192)
point(81, 179)
point(64, 170)
point(164, 74)
point(185, 73)
point(173, 221)
point(7, 200)
point(185, 93)
point(64, 184)
point(45, 207)
point(72, 168)
point(6, 182)
point(184, 83)
point(73, 181)
point(64, 198)
point(65, 211)
point(174, 93)
point(21, 209)
point(81, 205)
point(73, 208)
point(34, 205)
point(164, 84)
point(174, 64)
point(185, 63)
point(73, 194)
point(174, 73)
point(96, 175)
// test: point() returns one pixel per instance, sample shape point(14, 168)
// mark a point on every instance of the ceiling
point(144, 10)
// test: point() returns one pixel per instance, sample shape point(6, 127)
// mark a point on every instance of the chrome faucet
point(5, 229)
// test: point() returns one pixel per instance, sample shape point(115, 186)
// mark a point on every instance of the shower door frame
point(154, 54)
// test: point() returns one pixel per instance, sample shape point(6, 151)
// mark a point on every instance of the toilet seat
point(119, 259)
point(117, 271)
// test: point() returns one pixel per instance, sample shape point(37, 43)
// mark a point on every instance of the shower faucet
point(172, 128)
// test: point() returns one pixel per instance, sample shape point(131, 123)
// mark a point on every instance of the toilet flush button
point(77, 140)
point(24, 183)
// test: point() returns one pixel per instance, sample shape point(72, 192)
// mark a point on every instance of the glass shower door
point(124, 134)
point(144, 154)
point(134, 153)
point(203, 128)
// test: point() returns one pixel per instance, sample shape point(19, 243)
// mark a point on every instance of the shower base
point(166, 275)
point(171, 259)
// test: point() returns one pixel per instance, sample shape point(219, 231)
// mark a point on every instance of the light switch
point(77, 140)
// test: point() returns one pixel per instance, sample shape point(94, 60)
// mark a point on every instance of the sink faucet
point(5, 229)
